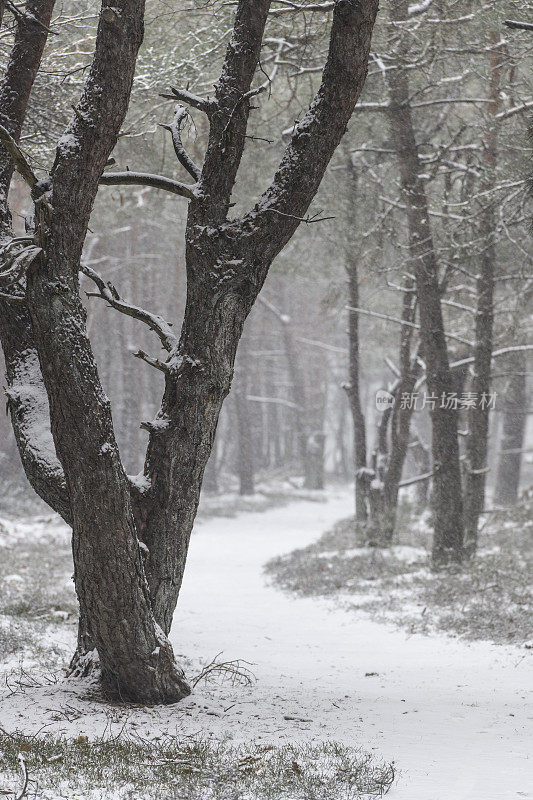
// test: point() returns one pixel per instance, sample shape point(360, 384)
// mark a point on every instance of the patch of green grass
point(192, 770)
point(490, 598)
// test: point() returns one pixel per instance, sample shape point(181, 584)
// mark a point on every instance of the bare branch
point(107, 292)
point(205, 104)
point(153, 362)
point(181, 154)
point(146, 179)
point(403, 322)
point(524, 26)
point(417, 479)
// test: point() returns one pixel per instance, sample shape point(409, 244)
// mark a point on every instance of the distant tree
point(130, 538)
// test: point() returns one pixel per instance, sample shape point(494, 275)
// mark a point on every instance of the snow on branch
point(419, 8)
point(28, 405)
point(496, 354)
point(293, 8)
point(524, 26)
point(283, 318)
point(205, 104)
point(403, 322)
point(281, 401)
point(510, 112)
point(181, 154)
point(107, 292)
point(146, 179)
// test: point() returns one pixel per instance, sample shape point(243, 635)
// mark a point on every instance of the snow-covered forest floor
point(452, 714)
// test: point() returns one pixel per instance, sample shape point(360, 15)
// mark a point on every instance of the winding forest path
point(452, 715)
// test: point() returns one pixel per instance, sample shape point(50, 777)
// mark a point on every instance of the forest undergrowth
point(191, 770)
point(490, 598)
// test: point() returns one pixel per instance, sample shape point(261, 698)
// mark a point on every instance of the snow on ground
point(456, 717)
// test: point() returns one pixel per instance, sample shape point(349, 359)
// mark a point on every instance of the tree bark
point(447, 493)
point(513, 433)
point(136, 659)
point(478, 415)
point(353, 386)
point(244, 429)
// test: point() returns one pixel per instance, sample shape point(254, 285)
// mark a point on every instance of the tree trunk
point(130, 541)
point(136, 659)
point(513, 433)
point(478, 415)
point(421, 457)
point(353, 387)
point(244, 429)
point(448, 505)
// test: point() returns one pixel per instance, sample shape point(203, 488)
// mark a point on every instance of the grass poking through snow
point(490, 599)
point(194, 770)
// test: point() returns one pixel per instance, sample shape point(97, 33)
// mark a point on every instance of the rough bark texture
point(447, 496)
point(130, 542)
point(478, 416)
point(136, 659)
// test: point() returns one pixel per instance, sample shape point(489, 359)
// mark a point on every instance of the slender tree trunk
point(352, 387)
point(513, 433)
point(244, 428)
point(400, 436)
point(421, 457)
point(448, 505)
point(478, 415)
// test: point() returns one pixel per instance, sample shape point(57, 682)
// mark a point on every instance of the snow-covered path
point(455, 717)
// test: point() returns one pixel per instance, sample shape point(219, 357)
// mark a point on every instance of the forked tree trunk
point(447, 490)
point(130, 541)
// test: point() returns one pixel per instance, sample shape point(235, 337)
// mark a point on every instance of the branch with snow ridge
point(107, 292)
point(146, 179)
